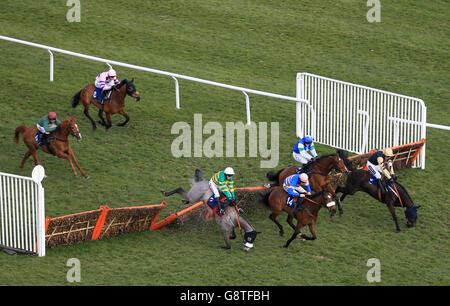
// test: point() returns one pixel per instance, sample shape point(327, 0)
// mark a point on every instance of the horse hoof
point(163, 192)
point(225, 247)
point(341, 215)
point(87, 177)
point(75, 176)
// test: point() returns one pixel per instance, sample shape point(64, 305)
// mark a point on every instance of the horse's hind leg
point(178, 190)
point(100, 115)
point(127, 118)
point(25, 159)
point(273, 217)
point(86, 113)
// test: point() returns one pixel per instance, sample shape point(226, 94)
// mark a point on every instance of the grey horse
point(200, 191)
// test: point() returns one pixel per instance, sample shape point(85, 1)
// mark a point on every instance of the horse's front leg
point(61, 154)
point(72, 156)
point(391, 208)
point(127, 118)
point(226, 237)
point(109, 121)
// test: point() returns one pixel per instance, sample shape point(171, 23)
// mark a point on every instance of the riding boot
point(42, 139)
point(298, 205)
point(100, 98)
point(382, 187)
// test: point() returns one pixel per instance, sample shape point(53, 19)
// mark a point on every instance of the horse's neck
point(317, 166)
point(118, 96)
point(62, 131)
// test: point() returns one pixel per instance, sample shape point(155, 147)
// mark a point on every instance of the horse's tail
point(273, 176)
point(76, 99)
point(19, 130)
point(265, 197)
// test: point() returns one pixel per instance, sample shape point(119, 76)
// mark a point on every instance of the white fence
point(22, 213)
point(175, 76)
point(358, 118)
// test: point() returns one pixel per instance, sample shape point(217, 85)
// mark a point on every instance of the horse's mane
point(325, 156)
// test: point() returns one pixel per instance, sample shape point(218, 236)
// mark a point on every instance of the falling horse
point(359, 180)
point(115, 104)
point(58, 144)
point(276, 198)
point(318, 172)
point(200, 191)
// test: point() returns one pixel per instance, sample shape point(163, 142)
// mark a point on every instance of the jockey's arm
point(313, 150)
point(304, 153)
point(385, 171)
point(390, 165)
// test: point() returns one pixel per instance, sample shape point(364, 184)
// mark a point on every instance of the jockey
point(103, 83)
point(301, 148)
point(376, 166)
point(47, 124)
point(297, 185)
point(223, 181)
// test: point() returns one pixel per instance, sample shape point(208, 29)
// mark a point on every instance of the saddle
point(98, 93)
point(291, 200)
point(44, 141)
point(305, 168)
point(212, 203)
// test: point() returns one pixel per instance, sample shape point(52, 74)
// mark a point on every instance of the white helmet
point(229, 171)
point(112, 73)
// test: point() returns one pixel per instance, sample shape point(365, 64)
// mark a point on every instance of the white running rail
point(175, 76)
point(22, 213)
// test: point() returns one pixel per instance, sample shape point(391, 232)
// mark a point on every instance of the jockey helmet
point(112, 73)
point(388, 152)
point(52, 115)
point(229, 171)
point(308, 139)
point(304, 178)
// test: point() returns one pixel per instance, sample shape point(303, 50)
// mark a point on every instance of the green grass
point(255, 44)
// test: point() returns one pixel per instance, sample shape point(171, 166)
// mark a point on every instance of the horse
point(200, 191)
point(318, 171)
point(276, 198)
point(58, 143)
point(395, 196)
point(115, 104)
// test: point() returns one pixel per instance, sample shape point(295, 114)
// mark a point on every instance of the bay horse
point(358, 180)
point(318, 172)
point(276, 198)
point(232, 218)
point(115, 104)
point(58, 143)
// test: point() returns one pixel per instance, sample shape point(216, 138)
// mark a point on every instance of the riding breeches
point(214, 188)
point(41, 129)
point(375, 170)
point(300, 158)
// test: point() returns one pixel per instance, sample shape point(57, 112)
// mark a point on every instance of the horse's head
point(131, 90)
point(411, 215)
point(339, 164)
point(73, 128)
point(327, 200)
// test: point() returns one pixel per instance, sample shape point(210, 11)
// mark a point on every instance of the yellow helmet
point(388, 152)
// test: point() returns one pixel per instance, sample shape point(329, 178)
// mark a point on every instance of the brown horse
point(319, 175)
point(276, 198)
point(115, 104)
point(358, 180)
point(58, 145)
